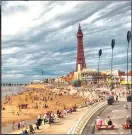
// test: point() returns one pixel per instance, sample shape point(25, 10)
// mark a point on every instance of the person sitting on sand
point(54, 117)
point(74, 109)
point(64, 107)
point(51, 119)
point(45, 118)
point(37, 126)
point(75, 106)
point(31, 129)
point(36, 106)
point(71, 110)
point(59, 114)
point(46, 106)
point(26, 131)
point(22, 132)
point(65, 111)
point(58, 111)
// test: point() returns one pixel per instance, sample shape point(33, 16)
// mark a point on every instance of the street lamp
point(112, 46)
point(128, 40)
point(100, 53)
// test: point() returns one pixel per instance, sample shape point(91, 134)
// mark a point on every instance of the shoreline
point(11, 90)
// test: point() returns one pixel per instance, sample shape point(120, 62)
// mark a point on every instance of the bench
point(125, 126)
point(105, 127)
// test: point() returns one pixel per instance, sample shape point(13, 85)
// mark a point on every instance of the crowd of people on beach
point(50, 117)
point(18, 125)
point(40, 99)
point(47, 118)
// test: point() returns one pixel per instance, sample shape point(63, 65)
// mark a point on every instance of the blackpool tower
point(80, 51)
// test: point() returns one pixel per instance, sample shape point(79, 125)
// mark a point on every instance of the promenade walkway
point(117, 113)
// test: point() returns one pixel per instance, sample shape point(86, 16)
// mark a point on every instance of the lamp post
point(112, 46)
point(128, 40)
point(100, 53)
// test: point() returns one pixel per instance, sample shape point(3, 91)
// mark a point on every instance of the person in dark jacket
point(110, 122)
point(37, 126)
point(18, 125)
point(31, 129)
point(25, 131)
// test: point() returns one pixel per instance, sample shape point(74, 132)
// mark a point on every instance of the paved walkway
point(118, 114)
point(65, 124)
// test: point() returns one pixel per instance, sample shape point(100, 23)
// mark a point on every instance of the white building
point(86, 74)
point(37, 82)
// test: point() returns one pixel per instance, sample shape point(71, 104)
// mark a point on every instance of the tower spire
point(79, 28)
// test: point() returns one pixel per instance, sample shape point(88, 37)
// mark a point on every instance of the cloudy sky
point(40, 36)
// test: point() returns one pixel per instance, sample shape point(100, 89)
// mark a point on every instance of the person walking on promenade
point(116, 98)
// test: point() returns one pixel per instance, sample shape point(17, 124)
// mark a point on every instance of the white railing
point(81, 123)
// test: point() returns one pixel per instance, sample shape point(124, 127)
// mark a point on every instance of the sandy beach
point(13, 113)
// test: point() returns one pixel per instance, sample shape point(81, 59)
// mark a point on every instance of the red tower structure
point(80, 50)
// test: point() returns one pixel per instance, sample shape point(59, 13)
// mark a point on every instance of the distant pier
point(10, 84)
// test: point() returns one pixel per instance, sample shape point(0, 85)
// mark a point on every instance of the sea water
point(9, 90)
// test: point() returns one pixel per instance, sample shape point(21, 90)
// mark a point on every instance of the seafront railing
point(79, 126)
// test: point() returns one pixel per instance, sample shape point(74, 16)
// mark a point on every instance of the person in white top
point(23, 123)
point(45, 116)
point(38, 116)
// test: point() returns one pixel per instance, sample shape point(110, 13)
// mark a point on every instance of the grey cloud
point(54, 51)
point(12, 9)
